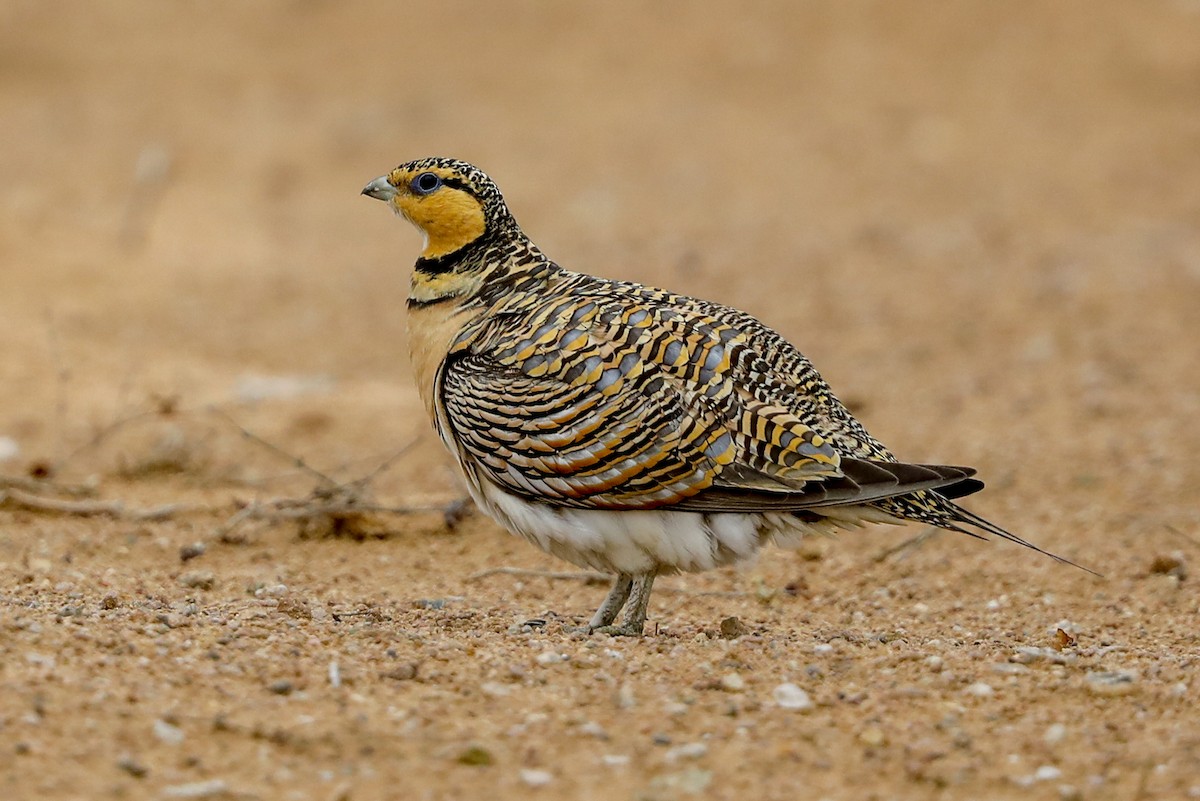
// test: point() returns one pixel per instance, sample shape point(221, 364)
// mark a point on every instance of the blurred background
point(979, 219)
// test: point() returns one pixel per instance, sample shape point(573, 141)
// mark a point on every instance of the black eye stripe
point(454, 183)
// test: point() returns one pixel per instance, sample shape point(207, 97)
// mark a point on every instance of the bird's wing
point(596, 403)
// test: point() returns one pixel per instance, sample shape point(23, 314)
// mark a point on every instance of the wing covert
point(592, 402)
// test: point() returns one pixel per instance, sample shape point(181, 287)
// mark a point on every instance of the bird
point(629, 429)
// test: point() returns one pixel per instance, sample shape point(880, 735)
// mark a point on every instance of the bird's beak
point(380, 189)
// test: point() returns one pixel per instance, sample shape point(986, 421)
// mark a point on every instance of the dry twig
point(115, 509)
point(41, 487)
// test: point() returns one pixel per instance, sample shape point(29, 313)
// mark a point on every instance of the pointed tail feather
point(970, 518)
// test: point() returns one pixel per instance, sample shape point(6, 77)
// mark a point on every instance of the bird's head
point(450, 201)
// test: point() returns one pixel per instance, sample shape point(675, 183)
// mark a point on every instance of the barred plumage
point(627, 428)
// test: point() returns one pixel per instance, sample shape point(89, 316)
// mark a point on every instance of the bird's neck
point(472, 273)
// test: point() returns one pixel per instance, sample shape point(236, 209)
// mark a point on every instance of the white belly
point(635, 542)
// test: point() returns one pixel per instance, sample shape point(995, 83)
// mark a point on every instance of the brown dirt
point(981, 220)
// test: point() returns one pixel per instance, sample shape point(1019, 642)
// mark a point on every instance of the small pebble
point(980, 690)
point(686, 751)
point(1055, 734)
point(593, 729)
point(1047, 773)
point(281, 687)
point(536, 778)
point(550, 658)
point(732, 682)
point(691, 782)
point(1171, 564)
point(475, 755)
point(789, 696)
point(732, 628)
point(9, 449)
point(405, 672)
point(191, 551)
point(873, 736)
point(1112, 682)
point(109, 601)
point(615, 760)
point(675, 708)
point(168, 733)
point(495, 689)
point(1027, 655)
point(198, 579)
point(133, 767)
point(213, 788)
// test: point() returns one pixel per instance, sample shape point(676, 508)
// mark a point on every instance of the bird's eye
point(425, 183)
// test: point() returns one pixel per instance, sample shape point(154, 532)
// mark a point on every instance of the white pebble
point(935, 663)
point(789, 696)
point(675, 708)
point(9, 449)
point(1055, 734)
point(495, 689)
point(1047, 773)
point(686, 751)
point(167, 732)
point(822, 648)
point(980, 690)
point(920, 609)
point(615, 760)
point(733, 683)
point(536, 778)
point(550, 658)
point(335, 674)
point(593, 729)
point(209, 789)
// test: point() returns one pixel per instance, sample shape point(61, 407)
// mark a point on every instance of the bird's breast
point(431, 330)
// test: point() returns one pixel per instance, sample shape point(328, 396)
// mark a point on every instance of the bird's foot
point(623, 630)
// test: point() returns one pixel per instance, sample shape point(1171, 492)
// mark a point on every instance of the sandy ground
point(982, 221)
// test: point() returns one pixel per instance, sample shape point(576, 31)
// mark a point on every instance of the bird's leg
point(612, 604)
point(635, 612)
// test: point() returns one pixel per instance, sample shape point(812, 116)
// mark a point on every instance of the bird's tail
point(937, 510)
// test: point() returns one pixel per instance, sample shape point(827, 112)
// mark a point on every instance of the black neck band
point(448, 262)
